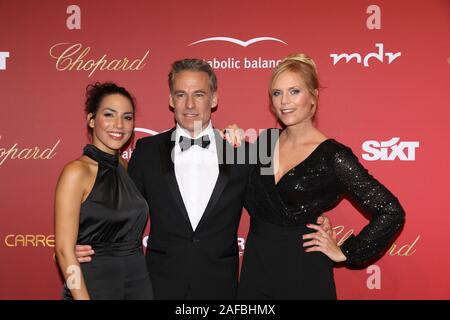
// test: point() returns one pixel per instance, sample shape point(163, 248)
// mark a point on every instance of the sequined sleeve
point(386, 214)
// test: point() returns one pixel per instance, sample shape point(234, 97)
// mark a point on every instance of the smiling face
point(292, 102)
point(113, 123)
point(192, 100)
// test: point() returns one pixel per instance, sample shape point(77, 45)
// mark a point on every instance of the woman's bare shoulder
point(78, 170)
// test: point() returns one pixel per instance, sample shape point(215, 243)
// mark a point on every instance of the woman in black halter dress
point(111, 215)
point(284, 207)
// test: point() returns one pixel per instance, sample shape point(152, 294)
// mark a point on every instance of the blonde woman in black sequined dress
point(286, 255)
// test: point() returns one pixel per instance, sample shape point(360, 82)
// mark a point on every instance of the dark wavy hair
point(97, 91)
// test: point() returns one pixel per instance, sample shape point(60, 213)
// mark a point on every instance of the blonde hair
point(304, 66)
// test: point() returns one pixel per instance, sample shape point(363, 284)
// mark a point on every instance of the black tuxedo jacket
point(200, 264)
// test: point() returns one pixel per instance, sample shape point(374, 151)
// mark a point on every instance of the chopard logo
point(406, 249)
point(396, 249)
point(237, 41)
point(27, 153)
point(75, 57)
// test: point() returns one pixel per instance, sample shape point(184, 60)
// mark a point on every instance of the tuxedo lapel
point(222, 179)
point(167, 165)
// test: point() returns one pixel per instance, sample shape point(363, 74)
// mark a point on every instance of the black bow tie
point(186, 143)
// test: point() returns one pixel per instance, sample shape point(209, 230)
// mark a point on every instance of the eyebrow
point(290, 88)
point(183, 91)
point(115, 111)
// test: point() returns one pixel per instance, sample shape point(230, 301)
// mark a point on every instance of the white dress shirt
point(196, 170)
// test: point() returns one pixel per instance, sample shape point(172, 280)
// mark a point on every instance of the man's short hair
point(196, 65)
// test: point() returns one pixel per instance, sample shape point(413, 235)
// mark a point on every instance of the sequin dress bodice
point(316, 185)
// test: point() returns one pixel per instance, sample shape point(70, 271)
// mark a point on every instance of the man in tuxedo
point(194, 183)
point(195, 196)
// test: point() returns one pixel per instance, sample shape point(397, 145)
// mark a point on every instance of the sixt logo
point(237, 41)
point(390, 150)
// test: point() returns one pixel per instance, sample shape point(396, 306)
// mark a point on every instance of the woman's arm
point(386, 214)
point(69, 195)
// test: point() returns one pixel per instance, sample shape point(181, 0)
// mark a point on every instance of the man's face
point(192, 100)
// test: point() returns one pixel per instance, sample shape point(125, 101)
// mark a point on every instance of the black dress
point(275, 265)
point(112, 221)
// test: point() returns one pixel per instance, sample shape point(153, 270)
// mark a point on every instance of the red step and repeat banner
point(384, 68)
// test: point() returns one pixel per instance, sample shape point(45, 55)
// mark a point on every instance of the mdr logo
point(390, 150)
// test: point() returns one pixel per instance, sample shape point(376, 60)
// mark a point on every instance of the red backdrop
point(398, 89)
